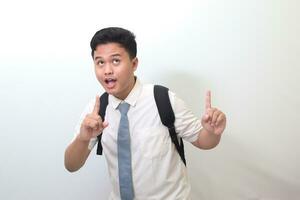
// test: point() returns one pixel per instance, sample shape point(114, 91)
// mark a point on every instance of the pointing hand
point(214, 120)
point(92, 125)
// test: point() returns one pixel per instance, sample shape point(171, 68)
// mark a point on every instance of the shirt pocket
point(155, 142)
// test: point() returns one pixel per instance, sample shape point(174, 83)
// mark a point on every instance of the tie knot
point(123, 108)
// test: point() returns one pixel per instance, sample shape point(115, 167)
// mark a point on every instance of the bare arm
point(77, 152)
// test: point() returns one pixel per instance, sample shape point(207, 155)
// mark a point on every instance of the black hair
point(115, 35)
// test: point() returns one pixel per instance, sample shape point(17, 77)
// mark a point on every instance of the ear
point(135, 62)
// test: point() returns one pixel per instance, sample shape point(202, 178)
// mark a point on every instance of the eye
point(100, 62)
point(116, 61)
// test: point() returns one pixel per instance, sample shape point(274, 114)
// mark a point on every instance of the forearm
point(76, 154)
point(207, 140)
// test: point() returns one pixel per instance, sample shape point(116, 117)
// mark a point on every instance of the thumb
point(105, 124)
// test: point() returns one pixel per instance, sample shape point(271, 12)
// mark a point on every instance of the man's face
point(114, 69)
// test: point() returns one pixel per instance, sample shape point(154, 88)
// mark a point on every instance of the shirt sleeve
point(88, 109)
point(187, 125)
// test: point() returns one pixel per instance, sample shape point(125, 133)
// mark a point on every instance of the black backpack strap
point(166, 113)
point(103, 105)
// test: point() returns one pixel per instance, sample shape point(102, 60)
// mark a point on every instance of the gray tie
point(124, 155)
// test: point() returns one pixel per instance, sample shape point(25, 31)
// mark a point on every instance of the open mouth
point(110, 82)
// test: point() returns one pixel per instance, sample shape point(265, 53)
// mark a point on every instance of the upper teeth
point(109, 79)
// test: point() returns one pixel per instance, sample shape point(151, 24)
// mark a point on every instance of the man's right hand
point(92, 125)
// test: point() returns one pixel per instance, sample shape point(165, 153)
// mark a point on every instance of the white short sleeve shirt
point(157, 169)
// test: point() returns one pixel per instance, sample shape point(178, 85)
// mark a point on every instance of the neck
point(131, 86)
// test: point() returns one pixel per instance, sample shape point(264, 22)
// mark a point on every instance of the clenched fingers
point(220, 118)
point(91, 123)
point(212, 116)
point(215, 115)
point(94, 116)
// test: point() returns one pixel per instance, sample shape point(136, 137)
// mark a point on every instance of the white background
point(246, 52)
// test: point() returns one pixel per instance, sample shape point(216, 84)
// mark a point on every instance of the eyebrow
point(113, 55)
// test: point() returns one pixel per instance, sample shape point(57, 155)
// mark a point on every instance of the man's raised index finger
point(97, 105)
point(208, 100)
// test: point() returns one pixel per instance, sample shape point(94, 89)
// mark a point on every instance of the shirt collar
point(132, 97)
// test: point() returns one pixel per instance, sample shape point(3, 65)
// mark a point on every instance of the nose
point(108, 70)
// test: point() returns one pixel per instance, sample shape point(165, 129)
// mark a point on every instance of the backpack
point(165, 111)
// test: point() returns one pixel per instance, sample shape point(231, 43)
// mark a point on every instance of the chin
point(111, 91)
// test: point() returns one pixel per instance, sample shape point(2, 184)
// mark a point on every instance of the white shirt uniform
point(157, 169)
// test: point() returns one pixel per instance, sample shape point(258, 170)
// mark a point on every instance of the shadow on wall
point(189, 87)
point(232, 170)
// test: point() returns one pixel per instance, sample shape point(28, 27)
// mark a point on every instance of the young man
point(155, 169)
